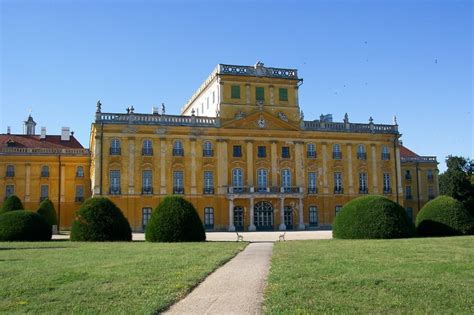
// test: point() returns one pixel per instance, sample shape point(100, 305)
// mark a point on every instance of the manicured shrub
point(22, 225)
point(100, 220)
point(175, 220)
point(372, 217)
point(11, 203)
point(47, 211)
point(444, 216)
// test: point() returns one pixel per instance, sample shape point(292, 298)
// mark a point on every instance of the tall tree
point(456, 181)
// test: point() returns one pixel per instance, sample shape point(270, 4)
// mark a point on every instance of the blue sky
point(412, 59)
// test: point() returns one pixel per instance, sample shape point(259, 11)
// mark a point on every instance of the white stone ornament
point(261, 123)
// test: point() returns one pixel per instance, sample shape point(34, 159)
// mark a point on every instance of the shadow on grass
point(20, 248)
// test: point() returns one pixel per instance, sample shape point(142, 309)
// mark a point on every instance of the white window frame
point(237, 177)
point(262, 178)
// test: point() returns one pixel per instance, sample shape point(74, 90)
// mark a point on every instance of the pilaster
point(131, 166)
point(274, 155)
point(252, 226)
point(299, 164)
point(27, 182)
point(62, 197)
point(349, 168)
point(231, 216)
point(250, 170)
point(375, 181)
point(222, 165)
point(163, 169)
point(325, 168)
point(193, 166)
point(282, 226)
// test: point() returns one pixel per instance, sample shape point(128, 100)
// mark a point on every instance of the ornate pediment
point(262, 120)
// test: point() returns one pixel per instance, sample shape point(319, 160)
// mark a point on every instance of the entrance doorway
point(263, 216)
point(288, 217)
point(239, 218)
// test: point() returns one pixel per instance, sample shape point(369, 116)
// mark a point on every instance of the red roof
point(405, 152)
point(34, 142)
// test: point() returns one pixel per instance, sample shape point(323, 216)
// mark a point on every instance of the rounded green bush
point(22, 225)
point(47, 211)
point(372, 217)
point(11, 203)
point(175, 220)
point(100, 220)
point(444, 216)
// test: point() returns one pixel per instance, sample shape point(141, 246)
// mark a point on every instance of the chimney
point(65, 136)
point(43, 133)
point(8, 130)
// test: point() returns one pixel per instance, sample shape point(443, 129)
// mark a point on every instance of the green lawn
point(421, 276)
point(64, 277)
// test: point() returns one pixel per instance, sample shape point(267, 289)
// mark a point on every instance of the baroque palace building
point(241, 152)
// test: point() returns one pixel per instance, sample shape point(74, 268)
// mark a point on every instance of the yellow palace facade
point(243, 154)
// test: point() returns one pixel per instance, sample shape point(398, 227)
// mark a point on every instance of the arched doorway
point(288, 217)
point(263, 216)
point(239, 218)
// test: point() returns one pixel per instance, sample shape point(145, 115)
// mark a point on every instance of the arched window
point(286, 179)
point(80, 171)
point(336, 152)
point(44, 171)
point(311, 150)
point(237, 179)
point(178, 148)
point(115, 147)
point(385, 153)
point(361, 154)
point(262, 180)
point(147, 147)
point(208, 218)
point(207, 149)
point(10, 171)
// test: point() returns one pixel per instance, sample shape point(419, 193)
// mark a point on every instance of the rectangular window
point(178, 185)
point(208, 218)
point(260, 93)
point(429, 175)
point(283, 93)
point(79, 193)
point(338, 209)
point(235, 91)
point(431, 192)
point(208, 182)
point(213, 97)
point(408, 194)
point(237, 151)
point(114, 182)
point(146, 215)
point(338, 183)
point(313, 216)
point(285, 152)
point(409, 213)
point(207, 101)
point(9, 190)
point(262, 151)
point(312, 183)
point(147, 182)
point(363, 188)
point(44, 192)
point(387, 189)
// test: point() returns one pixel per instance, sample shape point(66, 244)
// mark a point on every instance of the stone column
point(274, 158)
point(349, 168)
point(419, 185)
point(131, 166)
point(375, 182)
point(163, 169)
point(282, 226)
point(399, 175)
point(301, 225)
point(297, 103)
point(247, 93)
point(27, 182)
point(250, 170)
point(252, 226)
point(231, 216)
point(222, 166)
point(97, 171)
point(299, 164)
point(325, 169)
point(62, 197)
point(272, 97)
point(193, 166)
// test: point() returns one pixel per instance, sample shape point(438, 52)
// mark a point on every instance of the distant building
point(35, 167)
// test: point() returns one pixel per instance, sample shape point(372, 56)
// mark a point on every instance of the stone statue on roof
point(99, 107)
point(162, 108)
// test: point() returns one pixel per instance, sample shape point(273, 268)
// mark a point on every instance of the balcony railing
point(178, 190)
point(114, 191)
point(337, 155)
point(147, 190)
point(361, 155)
point(385, 156)
point(312, 190)
point(363, 191)
point(264, 190)
point(207, 153)
point(79, 174)
point(79, 199)
point(208, 191)
point(178, 152)
point(338, 190)
point(147, 151)
point(311, 154)
point(10, 174)
point(44, 174)
point(115, 151)
point(350, 127)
